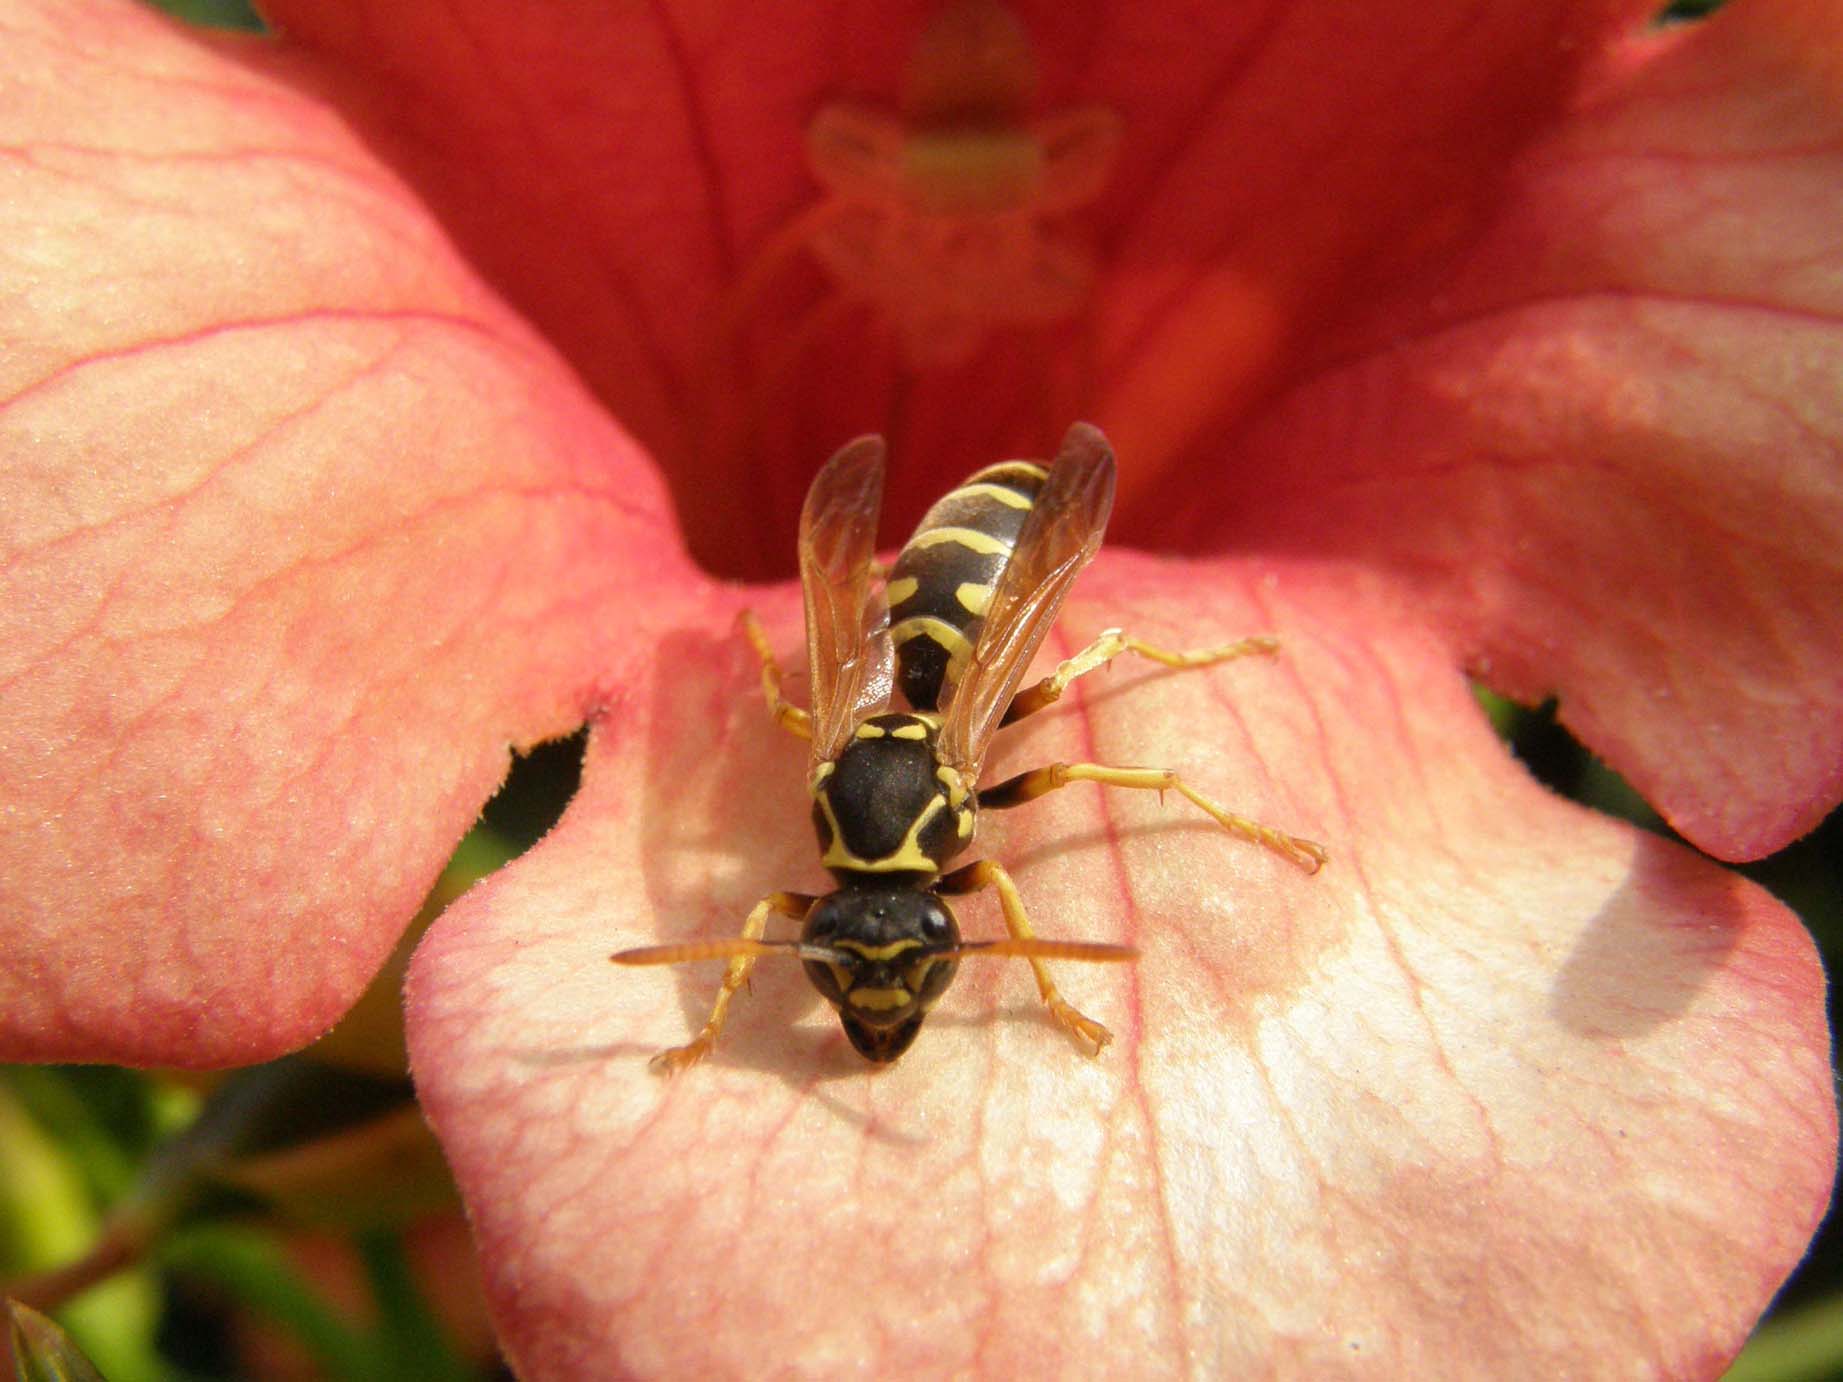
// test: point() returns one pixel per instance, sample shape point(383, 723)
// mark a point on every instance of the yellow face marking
point(878, 952)
point(869, 731)
point(901, 589)
point(971, 538)
point(917, 978)
point(973, 597)
point(909, 732)
point(879, 1000)
point(907, 857)
point(1004, 494)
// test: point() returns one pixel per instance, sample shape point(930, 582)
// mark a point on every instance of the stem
point(121, 1244)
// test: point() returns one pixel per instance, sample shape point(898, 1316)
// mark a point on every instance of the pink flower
point(344, 382)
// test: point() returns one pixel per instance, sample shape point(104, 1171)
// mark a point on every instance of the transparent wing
point(847, 620)
point(1059, 538)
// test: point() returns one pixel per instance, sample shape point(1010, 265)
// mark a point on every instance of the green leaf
point(385, 1171)
point(412, 1340)
point(214, 14)
point(247, 1266)
point(1805, 1345)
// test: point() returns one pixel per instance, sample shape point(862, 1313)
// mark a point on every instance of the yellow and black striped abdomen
point(943, 579)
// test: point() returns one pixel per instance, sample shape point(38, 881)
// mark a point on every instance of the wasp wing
point(847, 620)
point(1059, 538)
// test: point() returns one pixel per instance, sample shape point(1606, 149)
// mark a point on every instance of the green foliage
point(248, 1269)
point(1683, 11)
point(1798, 1346)
point(214, 14)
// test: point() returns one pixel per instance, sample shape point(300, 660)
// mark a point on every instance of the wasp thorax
point(888, 965)
point(882, 810)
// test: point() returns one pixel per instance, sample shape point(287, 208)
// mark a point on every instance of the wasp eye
point(929, 980)
point(831, 977)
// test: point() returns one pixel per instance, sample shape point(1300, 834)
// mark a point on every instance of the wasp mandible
point(896, 794)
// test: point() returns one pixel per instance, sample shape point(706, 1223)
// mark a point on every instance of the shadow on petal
point(1626, 975)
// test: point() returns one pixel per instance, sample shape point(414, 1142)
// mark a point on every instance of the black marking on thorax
point(887, 807)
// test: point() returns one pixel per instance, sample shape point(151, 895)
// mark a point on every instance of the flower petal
point(1453, 288)
point(1604, 449)
point(1506, 1081)
point(302, 530)
point(635, 178)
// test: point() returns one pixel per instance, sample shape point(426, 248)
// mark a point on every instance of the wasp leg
point(1110, 645)
point(1031, 785)
point(787, 715)
point(987, 874)
point(793, 905)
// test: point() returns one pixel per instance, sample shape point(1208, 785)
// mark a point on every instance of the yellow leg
point(793, 905)
point(1110, 645)
point(987, 874)
point(1031, 785)
point(787, 715)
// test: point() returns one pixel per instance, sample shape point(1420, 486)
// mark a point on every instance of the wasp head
point(886, 967)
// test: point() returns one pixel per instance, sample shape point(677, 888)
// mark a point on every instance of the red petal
point(633, 177)
point(1505, 1082)
point(302, 530)
point(1514, 333)
point(1604, 450)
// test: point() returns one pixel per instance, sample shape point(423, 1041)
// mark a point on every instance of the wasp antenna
point(734, 948)
point(1035, 948)
point(825, 954)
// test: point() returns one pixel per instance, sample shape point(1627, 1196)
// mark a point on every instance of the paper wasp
point(895, 793)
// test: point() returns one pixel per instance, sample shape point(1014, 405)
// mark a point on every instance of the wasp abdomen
point(944, 576)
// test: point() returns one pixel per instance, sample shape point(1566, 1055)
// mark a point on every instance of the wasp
point(896, 797)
